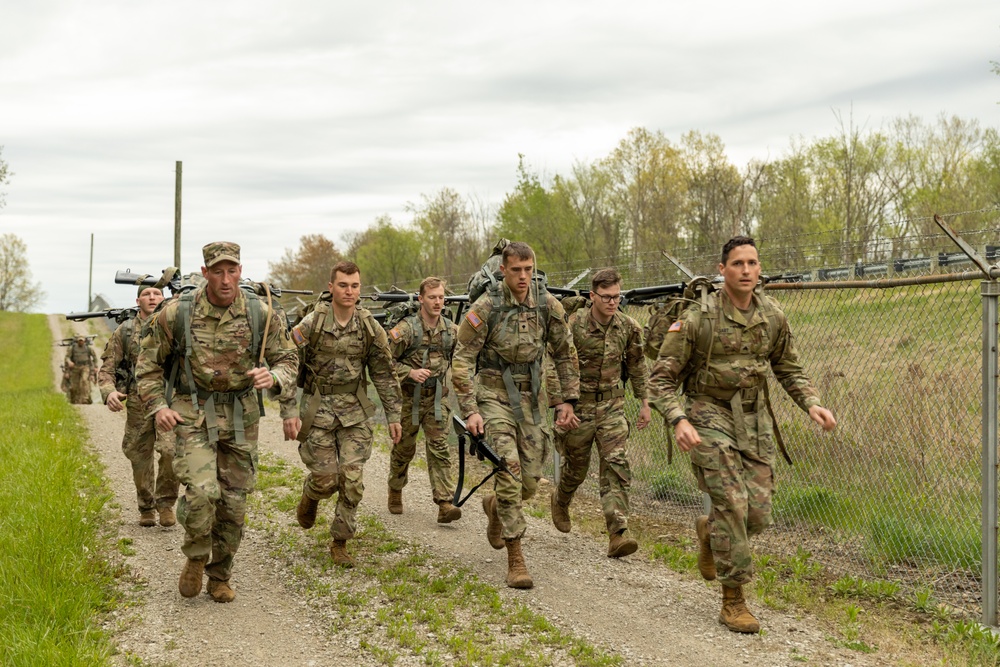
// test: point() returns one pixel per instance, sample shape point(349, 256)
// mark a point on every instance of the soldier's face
point(223, 280)
point(606, 301)
point(149, 300)
point(432, 301)
point(517, 274)
point(345, 289)
point(741, 272)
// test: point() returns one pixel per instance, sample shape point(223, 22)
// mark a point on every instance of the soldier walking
point(81, 360)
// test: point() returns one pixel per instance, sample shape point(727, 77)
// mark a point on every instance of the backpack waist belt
point(430, 386)
point(206, 402)
point(600, 396)
point(315, 391)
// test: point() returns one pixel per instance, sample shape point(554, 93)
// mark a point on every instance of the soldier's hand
point(291, 427)
point(114, 401)
point(261, 378)
point(166, 419)
point(645, 416)
point(395, 432)
point(823, 417)
point(686, 435)
point(70, 364)
point(474, 423)
point(566, 417)
point(420, 375)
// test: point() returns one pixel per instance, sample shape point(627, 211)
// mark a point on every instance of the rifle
point(483, 451)
point(399, 296)
point(67, 342)
point(119, 315)
point(170, 278)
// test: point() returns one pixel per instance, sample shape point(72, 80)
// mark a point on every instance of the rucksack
point(666, 313)
point(323, 303)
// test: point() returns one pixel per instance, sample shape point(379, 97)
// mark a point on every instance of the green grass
point(53, 581)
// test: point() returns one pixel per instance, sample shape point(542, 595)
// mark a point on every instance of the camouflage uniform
point(141, 438)
point(519, 432)
point(85, 363)
point(336, 437)
point(725, 392)
point(216, 454)
point(432, 411)
point(601, 410)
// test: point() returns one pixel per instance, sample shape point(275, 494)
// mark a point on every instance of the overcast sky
point(315, 117)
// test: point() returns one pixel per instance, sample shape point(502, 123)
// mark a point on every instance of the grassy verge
point(53, 580)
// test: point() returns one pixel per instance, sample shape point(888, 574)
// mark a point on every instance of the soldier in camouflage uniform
point(605, 339)
point(339, 341)
point(212, 333)
point(155, 489)
point(504, 334)
point(422, 367)
point(82, 363)
point(721, 358)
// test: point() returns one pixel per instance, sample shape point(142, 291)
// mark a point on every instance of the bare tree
point(17, 292)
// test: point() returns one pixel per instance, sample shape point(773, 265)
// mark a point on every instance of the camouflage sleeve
point(671, 362)
point(472, 332)
point(552, 386)
point(69, 352)
point(785, 364)
point(399, 338)
point(302, 330)
point(93, 357)
point(280, 354)
point(559, 340)
point(153, 352)
point(379, 362)
point(114, 351)
point(635, 361)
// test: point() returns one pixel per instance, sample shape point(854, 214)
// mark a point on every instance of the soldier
point(155, 489)
point(81, 360)
point(339, 341)
point(605, 340)
point(504, 334)
point(721, 357)
point(215, 336)
point(422, 345)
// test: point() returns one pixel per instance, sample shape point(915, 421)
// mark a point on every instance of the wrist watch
point(677, 420)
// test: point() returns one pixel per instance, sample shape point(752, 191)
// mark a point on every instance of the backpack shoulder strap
point(255, 315)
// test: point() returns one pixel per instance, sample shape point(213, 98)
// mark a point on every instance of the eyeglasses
point(608, 298)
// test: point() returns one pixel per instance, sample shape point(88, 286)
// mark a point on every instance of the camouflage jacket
point(741, 354)
point(81, 356)
point(438, 359)
point(341, 355)
point(518, 339)
point(123, 344)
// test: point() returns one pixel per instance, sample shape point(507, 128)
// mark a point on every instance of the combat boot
point(191, 576)
point(734, 614)
point(221, 591)
point(559, 506)
point(147, 518)
point(167, 516)
point(338, 551)
point(395, 501)
point(306, 511)
point(517, 571)
point(448, 512)
point(494, 529)
point(621, 544)
point(706, 561)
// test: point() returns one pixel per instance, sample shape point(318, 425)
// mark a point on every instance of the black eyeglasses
point(608, 298)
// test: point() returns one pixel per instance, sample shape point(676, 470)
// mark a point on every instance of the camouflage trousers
point(604, 423)
point(79, 385)
point(740, 481)
point(523, 444)
point(153, 488)
point(435, 448)
point(217, 477)
point(336, 459)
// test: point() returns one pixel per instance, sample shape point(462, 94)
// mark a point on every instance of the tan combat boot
point(706, 561)
point(621, 544)
point(167, 516)
point(559, 505)
point(147, 518)
point(448, 512)
point(395, 501)
point(221, 591)
point(338, 551)
point(306, 511)
point(734, 614)
point(190, 582)
point(494, 529)
point(517, 571)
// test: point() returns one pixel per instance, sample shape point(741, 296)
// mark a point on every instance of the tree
point(17, 292)
point(309, 267)
point(387, 255)
point(450, 237)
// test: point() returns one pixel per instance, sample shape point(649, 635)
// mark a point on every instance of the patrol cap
point(143, 288)
point(83, 338)
point(220, 251)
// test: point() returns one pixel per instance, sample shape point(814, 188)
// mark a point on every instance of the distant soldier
point(82, 363)
point(213, 336)
point(606, 341)
point(339, 341)
point(422, 345)
point(504, 335)
point(155, 489)
point(721, 359)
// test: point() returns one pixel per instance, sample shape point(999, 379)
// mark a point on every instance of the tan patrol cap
point(220, 251)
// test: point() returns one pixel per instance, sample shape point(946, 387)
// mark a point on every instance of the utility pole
point(177, 218)
point(90, 279)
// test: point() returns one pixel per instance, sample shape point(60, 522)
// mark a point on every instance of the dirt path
point(633, 607)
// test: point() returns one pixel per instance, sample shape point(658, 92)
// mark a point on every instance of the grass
point(53, 579)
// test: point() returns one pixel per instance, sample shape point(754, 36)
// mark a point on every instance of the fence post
point(989, 290)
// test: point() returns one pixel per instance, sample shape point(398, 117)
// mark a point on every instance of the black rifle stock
point(483, 451)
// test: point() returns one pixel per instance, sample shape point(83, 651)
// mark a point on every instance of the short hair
point(605, 278)
point(517, 249)
point(734, 243)
point(345, 267)
point(431, 282)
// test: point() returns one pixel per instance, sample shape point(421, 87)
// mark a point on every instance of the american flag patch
point(676, 326)
point(474, 319)
point(298, 338)
point(394, 332)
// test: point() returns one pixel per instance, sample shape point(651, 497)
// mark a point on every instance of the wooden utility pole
point(90, 279)
point(177, 218)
